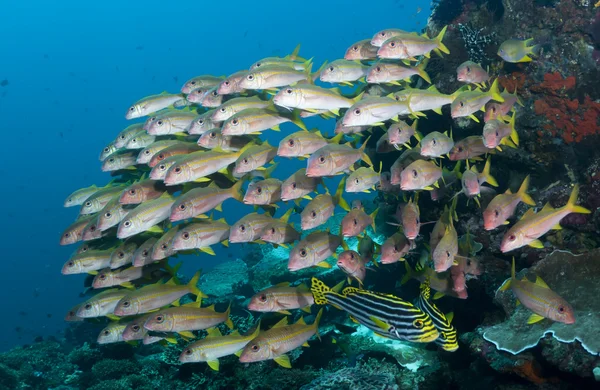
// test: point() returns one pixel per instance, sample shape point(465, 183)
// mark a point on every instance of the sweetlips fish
point(249, 228)
point(313, 250)
point(231, 84)
point(281, 338)
point(100, 198)
point(384, 35)
point(113, 333)
point(270, 77)
point(154, 103)
point(495, 110)
point(515, 50)
point(373, 111)
point(257, 120)
point(235, 105)
point(363, 179)
point(154, 296)
point(532, 225)
point(409, 45)
point(471, 73)
point(469, 102)
point(394, 248)
point(356, 221)
point(123, 254)
point(281, 298)
point(448, 340)
point(145, 216)
point(187, 318)
point(228, 143)
point(125, 159)
point(215, 346)
point(537, 297)
point(361, 50)
point(146, 154)
point(392, 73)
point(111, 214)
point(200, 82)
point(279, 231)
point(343, 72)
point(400, 133)
point(420, 175)
point(385, 314)
point(353, 265)
point(201, 234)
point(197, 165)
point(496, 132)
point(333, 159)
point(135, 329)
point(436, 144)
point(203, 123)
point(198, 201)
point(73, 233)
point(178, 149)
point(101, 304)
point(78, 197)
point(503, 206)
point(253, 157)
point(143, 254)
point(89, 261)
point(142, 191)
point(321, 208)
point(312, 97)
point(304, 143)
point(126, 134)
point(469, 148)
point(172, 122)
point(298, 186)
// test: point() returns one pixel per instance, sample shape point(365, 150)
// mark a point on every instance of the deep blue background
point(75, 67)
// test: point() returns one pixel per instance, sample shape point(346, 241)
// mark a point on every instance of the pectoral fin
point(534, 318)
point(283, 361)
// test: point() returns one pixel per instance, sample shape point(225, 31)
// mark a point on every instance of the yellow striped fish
point(447, 340)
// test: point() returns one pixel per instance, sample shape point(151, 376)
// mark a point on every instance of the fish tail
point(316, 323)
point(173, 271)
point(525, 197)
point(193, 285)
point(495, 92)
point(295, 119)
point(421, 71)
point(571, 204)
point(373, 215)
point(338, 198)
point(318, 290)
point(487, 175)
point(364, 155)
point(236, 190)
point(228, 321)
point(337, 139)
point(506, 285)
point(314, 76)
point(519, 102)
point(408, 275)
point(514, 136)
point(269, 171)
point(439, 38)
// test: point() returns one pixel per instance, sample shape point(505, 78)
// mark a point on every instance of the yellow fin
point(306, 344)
point(534, 318)
point(283, 361)
point(285, 312)
point(540, 282)
point(438, 295)
point(213, 332)
point(536, 244)
point(207, 249)
point(188, 334)
point(239, 353)
point(282, 322)
point(380, 323)
point(306, 309)
point(214, 364)
point(323, 264)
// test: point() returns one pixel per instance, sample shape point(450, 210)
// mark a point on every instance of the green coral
point(115, 369)
point(9, 378)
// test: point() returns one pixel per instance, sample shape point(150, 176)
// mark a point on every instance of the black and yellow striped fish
point(386, 315)
point(448, 339)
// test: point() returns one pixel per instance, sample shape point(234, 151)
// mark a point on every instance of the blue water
point(73, 69)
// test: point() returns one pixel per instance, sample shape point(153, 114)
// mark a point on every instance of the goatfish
point(537, 297)
point(321, 208)
point(231, 84)
point(270, 77)
point(534, 225)
point(151, 104)
point(74, 232)
point(293, 60)
point(235, 105)
point(228, 143)
point(281, 298)
point(503, 206)
point(203, 123)
point(384, 35)
point(101, 304)
point(89, 262)
point(469, 102)
point(313, 250)
point(123, 254)
point(139, 141)
point(126, 134)
point(343, 72)
point(436, 144)
point(113, 333)
point(99, 199)
point(363, 179)
point(353, 265)
point(515, 50)
point(304, 143)
point(496, 132)
point(298, 186)
point(469, 148)
point(309, 97)
point(447, 340)
point(257, 120)
point(123, 159)
point(196, 166)
point(494, 110)
point(178, 149)
point(201, 81)
point(334, 159)
point(385, 314)
point(356, 221)
point(400, 133)
point(187, 318)
point(172, 122)
point(135, 329)
point(279, 231)
point(154, 296)
point(78, 197)
point(361, 50)
point(254, 157)
point(409, 45)
point(263, 192)
point(145, 216)
point(420, 175)
point(419, 100)
point(142, 191)
point(249, 228)
point(108, 151)
point(392, 73)
point(143, 254)
point(446, 250)
point(146, 154)
point(111, 214)
point(471, 73)
point(281, 338)
point(198, 201)
point(201, 234)
point(124, 276)
point(373, 111)
point(164, 245)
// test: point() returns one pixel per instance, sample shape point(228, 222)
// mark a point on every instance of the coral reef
point(223, 280)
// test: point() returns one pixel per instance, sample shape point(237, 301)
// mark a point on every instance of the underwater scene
point(317, 195)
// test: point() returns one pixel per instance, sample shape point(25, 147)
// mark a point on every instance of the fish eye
point(288, 91)
point(121, 254)
point(134, 140)
point(70, 264)
point(93, 228)
point(177, 169)
point(107, 215)
point(313, 214)
point(512, 237)
point(67, 234)
point(102, 276)
point(418, 324)
point(460, 149)
point(352, 255)
point(497, 135)
point(378, 69)
point(322, 160)
point(462, 104)
point(222, 109)
point(357, 111)
point(303, 252)
point(494, 110)
point(145, 253)
point(245, 161)
point(185, 236)
point(262, 298)
point(213, 134)
point(200, 122)
point(188, 351)
point(382, 34)
point(355, 48)
point(259, 190)
point(294, 186)
point(135, 328)
point(88, 203)
point(468, 69)
point(147, 152)
point(561, 309)
point(127, 223)
point(414, 173)
point(255, 348)
point(356, 181)
point(106, 333)
point(159, 123)
point(226, 82)
point(331, 68)
point(193, 82)
point(162, 167)
point(126, 304)
point(392, 44)
point(468, 262)
point(164, 247)
point(111, 160)
point(131, 108)
point(235, 122)
point(88, 306)
point(448, 255)
point(250, 77)
point(214, 93)
point(496, 213)
point(291, 143)
point(355, 222)
point(272, 230)
point(242, 228)
point(181, 207)
point(434, 142)
point(131, 192)
point(161, 156)
point(160, 318)
point(106, 150)
point(396, 250)
point(122, 137)
point(258, 64)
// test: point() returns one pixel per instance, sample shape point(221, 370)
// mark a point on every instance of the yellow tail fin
point(487, 175)
point(441, 47)
point(525, 198)
point(571, 204)
point(337, 197)
point(495, 92)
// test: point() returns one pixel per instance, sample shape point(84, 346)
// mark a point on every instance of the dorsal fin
point(301, 321)
point(282, 322)
point(547, 207)
point(213, 332)
point(282, 284)
point(528, 214)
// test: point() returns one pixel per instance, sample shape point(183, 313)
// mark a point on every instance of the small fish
point(410, 218)
point(142, 191)
point(385, 184)
point(274, 343)
point(312, 97)
point(469, 102)
point(363, 179)
point(145, 216)
point(135, 329)
point(72, 316)
point(343, 72)
point(373, 111)
point(503, 206)
point(401, 133)
point(469, 148)
point(126, 134)
point(419, 100)
point(215, 346)
point(172, 122)
point(281, 298)
point(291, 60)
point(367, 248)
point(228, 143)
point(254, 157)
point(146, 154)
point(472, 180)
point(279, 231)
point(304, 143)
point(495, 110)
point(201, 235)
point(448, 340)
point(143, 254)
point(123, 255)
point(419, 175)
point(235, 105)
point(163, 248)
point(384, 35)
point(515, 50)
point(108, 150)
point(320, 209)
point(154, 296)
point(113, 333)
point(197, 95)
point(385, 314)
point(471, 73)
point(159, 172)
point(200, 82)
point(446, 250)
point(439, 229)
point(273, 76)
point(203, 123)
point(152, 104)
point(211, 99)
point(198, 201)
point(353, 265)
point(394, 248)
point(392, 73)
point(177, 149)
point(537, 297)
point(256, 120)
point(263, 192)
point(361, 50)
point(101, 304)
point(140, 141)
point(408, 46)
point(231, 84)
point(196, 166)
point(440, 282)
point(87, 262)
point(187, 318)
point(436, 144)
point(74, 233)
point(78, 197)
point(333, 159)
point(384, 145)
point(125, 159)
point(111, 214)
point(298, 186)
point(532, 225)
point(496, 132)
point(406, 158)
point(249, 228)
point(313, 250)
point(91, 231)
point(356, 221)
